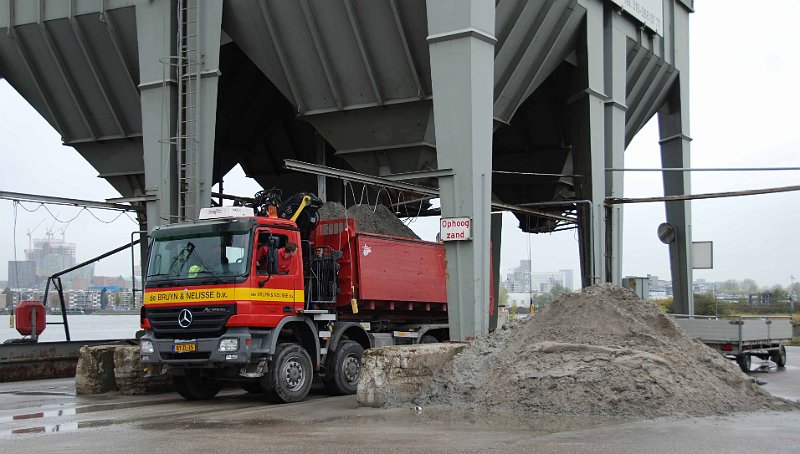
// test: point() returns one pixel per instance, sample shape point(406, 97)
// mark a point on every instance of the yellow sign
point(213, 295)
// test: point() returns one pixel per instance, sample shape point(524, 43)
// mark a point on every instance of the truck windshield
point(198, 256)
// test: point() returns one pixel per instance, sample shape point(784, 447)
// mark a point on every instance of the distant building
point(544, 282)
point(518, 299)
point(22, 274)
point(522, 280)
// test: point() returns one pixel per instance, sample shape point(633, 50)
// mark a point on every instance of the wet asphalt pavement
point(47, 416)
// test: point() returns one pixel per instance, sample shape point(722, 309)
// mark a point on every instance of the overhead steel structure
point(164, 97)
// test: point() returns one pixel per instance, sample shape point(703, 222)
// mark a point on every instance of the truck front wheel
point(290, 374)
point(779, 356)
point(193, 386)
point(343, 368)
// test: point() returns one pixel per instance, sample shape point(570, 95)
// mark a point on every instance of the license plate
point(183, 348)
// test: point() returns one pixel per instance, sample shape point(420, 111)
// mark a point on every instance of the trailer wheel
point(779, 357)
point(290, 374)
point(193, 386)
point(428, 339)
point(343, 368)
point(744, 360)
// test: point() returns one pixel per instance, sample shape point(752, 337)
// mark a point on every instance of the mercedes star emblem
point(185, 318)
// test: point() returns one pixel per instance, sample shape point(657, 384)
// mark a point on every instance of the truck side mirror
point(272, 255)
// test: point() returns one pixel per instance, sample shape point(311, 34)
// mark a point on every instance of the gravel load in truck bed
point(601, 351)
point(369, 219)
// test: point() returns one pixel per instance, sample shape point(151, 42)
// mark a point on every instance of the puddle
point(83, 409)
point(39, 393)
point(53, 428)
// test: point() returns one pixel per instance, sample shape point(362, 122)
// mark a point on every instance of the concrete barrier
point(107, 368)
point(95, 371)
point(393, 375)
point(129, 374)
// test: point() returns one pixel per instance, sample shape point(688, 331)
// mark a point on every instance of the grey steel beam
point(322, 53)
point(37, 81)
point(67, 79)
point(401, 32)
point(710, 195)
point(155, 28)
point(101, 84)
point(588, 109)
point(461, 43)
point(22, 197)
point(113, 37)
point(706, 169)
point(285, 66)
point(299, 166)
point(673, 123)
point(365, 56)
point(614, 79)
point(315, 169)
point(497, 243)
point(533, 31)
point(421, 174)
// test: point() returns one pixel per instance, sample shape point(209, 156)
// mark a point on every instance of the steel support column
point(673, 124)
point(209, 33)
point(587, 117)
point(615, 66)
point(497, 238)
point(461, 42)
point(157, 25)
point(156, 30)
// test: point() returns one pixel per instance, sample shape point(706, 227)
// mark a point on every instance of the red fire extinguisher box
point(23, 317)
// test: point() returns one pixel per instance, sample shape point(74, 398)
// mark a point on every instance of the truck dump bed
point(393, 278)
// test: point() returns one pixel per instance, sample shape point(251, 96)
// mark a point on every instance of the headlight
point(146, 346)
point(229, 345)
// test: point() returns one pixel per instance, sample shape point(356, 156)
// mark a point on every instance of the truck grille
point(207, 321)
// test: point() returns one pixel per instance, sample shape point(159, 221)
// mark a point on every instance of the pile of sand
point(602, 351)
point(369, 219)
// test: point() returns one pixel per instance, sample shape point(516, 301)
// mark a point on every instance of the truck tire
point(193, 386)
point(744, 360)
point(290, 374)
point(779, 356)
point(343, 368)
point(428, 339)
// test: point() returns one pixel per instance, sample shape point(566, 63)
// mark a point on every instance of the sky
point(745, 112)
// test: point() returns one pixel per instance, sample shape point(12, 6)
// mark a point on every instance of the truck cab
point(219, 308)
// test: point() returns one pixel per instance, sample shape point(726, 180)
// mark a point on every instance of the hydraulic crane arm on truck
point(217, 313)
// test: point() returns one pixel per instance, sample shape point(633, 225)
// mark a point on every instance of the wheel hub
point(293, 374)
point(351, 367)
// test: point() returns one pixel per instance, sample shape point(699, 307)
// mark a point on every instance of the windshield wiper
point(181, 258)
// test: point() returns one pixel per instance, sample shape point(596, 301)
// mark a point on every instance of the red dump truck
point(217, 311)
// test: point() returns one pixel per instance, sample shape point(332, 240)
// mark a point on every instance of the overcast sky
point(745, 112)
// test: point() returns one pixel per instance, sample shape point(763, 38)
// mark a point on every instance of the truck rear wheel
point(193, 386)
point(290, 374)
point(779, 356)
point(744, 360)
point(343, 368)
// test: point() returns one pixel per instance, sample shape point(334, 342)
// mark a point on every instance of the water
point(81, 327)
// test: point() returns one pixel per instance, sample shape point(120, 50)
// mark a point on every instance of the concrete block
point(393, 375)
point(95, 371)
point(129, 373)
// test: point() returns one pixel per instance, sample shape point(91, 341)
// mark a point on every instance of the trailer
point(741, 337)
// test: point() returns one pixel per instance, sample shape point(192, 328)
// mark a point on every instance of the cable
point(378, 196)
